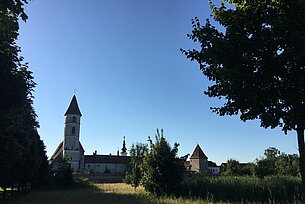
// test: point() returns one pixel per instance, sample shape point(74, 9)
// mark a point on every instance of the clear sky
point(123, 59)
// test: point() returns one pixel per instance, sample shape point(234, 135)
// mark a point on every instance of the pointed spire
point(198, 153)
point(124, 149)
point(73, 107)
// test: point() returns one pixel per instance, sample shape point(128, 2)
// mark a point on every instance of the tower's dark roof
point(198, 153)
point(73, 107)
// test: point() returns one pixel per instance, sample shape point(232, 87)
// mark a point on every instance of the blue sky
point(123, 59)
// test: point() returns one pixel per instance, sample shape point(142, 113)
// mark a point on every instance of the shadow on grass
point(78, 194)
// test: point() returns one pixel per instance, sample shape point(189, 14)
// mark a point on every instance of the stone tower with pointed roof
point(71, 144)
point(199, 161)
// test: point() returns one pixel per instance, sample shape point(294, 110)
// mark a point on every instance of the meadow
point(275, 189)
point(97, 194)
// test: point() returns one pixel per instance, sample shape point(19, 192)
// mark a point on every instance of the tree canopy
point(256, 62)
point(22, 152)
point(276, 162)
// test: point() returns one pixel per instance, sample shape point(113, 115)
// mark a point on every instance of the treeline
point(273, 162)
point(272, 178)
point(23, 160)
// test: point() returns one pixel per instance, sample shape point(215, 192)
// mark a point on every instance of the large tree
point(22, 153)
point(257, 62)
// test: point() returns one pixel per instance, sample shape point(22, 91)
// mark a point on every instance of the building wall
point(69, 124)
point(73, 157)
point(71, 141)
point(102, 167)
point(214, 170)
point(203, 165)
point(199, 165)
point(81, 160)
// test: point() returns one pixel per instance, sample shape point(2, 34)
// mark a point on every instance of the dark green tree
point(21, 155)
point(233, 168)
point(162, 169)
point(137, 153)
point(256, 61)
point(287, 164)
point(63, 174)
point(274, 162)
point(266, 165)
point(272, 153)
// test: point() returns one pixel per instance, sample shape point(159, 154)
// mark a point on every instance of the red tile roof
point(73, 107)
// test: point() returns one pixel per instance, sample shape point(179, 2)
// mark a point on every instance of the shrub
point(162, 169)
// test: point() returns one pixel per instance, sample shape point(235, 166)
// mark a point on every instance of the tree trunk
point(300, 135)
point(4, 192)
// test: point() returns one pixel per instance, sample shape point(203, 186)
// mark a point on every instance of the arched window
point(73, 130)
point(74, 119)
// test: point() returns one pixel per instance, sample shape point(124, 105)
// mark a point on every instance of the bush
point(63, 175)
point(162, 169)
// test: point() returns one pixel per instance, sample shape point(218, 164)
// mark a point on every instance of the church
point(72, 149)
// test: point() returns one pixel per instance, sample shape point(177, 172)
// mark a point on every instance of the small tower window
point(73, 130)
point(74, 119)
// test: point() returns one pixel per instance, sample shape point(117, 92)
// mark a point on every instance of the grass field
point(97, 194)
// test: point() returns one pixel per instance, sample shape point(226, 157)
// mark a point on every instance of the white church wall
point(105, 168)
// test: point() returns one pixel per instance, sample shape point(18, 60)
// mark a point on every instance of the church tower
point(199, 161)
point(71, 145)
point(124, 149)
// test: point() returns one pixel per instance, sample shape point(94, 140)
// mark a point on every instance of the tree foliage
point(256, 62)
point(137, 154)
point(22, 152)
point(162, 169)
point(235, 168)
point(276, 163)
point(63, 174)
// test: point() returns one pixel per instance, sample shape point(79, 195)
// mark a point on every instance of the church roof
point(59, 151)
point(73, 107)
point(110, 159)
point(198, 153)
point(212, 164)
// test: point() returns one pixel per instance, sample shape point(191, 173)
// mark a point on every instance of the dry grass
point(97, 194)
point(120, 188)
